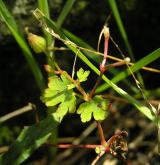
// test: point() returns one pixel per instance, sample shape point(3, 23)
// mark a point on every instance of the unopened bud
point(37, 43)
point(48, 68)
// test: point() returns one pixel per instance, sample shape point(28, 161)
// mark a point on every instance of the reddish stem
point(87, 146)
point(101, 134)
point(95, 86)
point(102, 65)
point(106, 47)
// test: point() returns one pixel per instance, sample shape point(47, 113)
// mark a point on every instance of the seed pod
point(106, 32)
point(37, 43)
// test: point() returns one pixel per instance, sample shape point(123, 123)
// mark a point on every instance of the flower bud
point(37, 43)
point(48, 68)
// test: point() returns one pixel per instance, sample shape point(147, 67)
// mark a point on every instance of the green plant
point(65, 91)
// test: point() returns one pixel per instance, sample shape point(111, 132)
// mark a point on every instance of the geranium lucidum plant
point(64, 90)
point(61, 93)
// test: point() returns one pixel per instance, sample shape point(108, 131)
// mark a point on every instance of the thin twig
point(74, 64)
point(4, 149)
point(115, 98)
point(36, 113)
point(87, 146)
point(120, 99)
point(17, 112)
point(99, 39)
point(57, 49)
point(96, 85)
point(97, 158)
point(134, 77)
point(77, 157)
point(118, 59)
point(65, 139)
point(117, 64)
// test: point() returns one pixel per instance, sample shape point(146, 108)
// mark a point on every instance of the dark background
point(141, 20)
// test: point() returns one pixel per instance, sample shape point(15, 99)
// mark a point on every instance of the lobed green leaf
point(82, 75)
point(68, 105)
point(97, 106)
point(60, 92)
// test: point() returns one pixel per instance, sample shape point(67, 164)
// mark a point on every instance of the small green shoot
point(82, 75)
